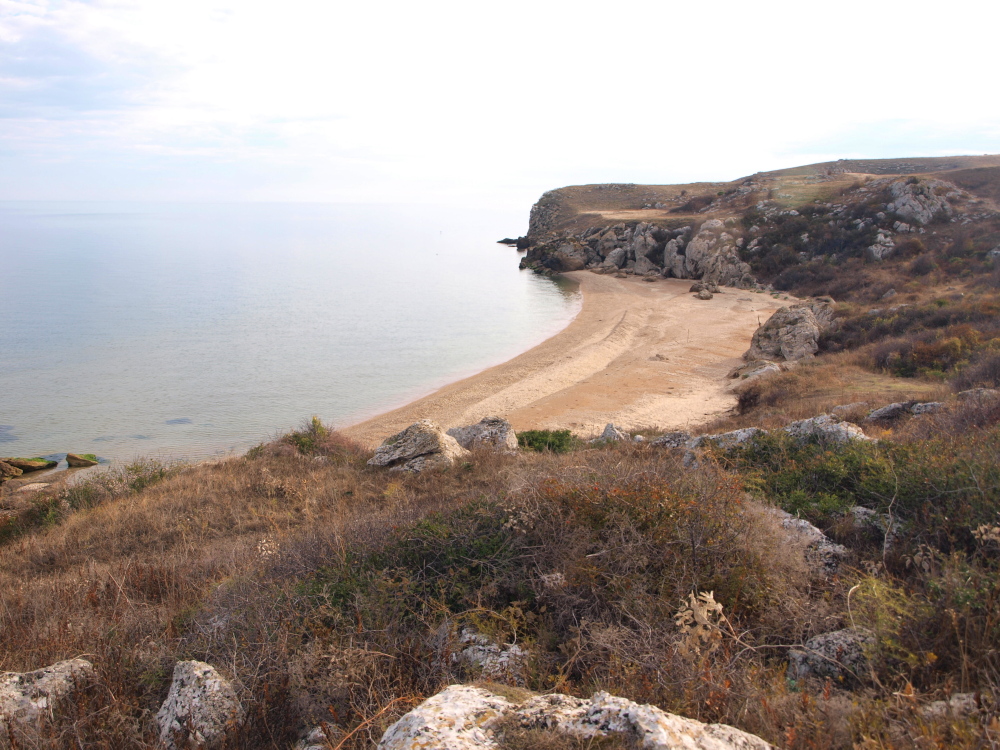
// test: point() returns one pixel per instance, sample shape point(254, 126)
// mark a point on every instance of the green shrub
point(307, 439)
point(559, 441)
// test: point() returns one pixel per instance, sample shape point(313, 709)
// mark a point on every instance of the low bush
point(559, 441)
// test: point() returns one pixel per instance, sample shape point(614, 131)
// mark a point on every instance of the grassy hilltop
point(332, 591)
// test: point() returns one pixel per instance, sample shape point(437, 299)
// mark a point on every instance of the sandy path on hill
point(638, 354)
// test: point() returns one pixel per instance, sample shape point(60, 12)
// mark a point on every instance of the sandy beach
point(639, 354)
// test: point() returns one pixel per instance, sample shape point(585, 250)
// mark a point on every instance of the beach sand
point(639, 354)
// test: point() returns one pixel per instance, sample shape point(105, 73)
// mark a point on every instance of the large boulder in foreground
point(462, 717)
point(421, 446)
point(792, 332)
point(201, 710)
point(489, 432)
point(30, 701)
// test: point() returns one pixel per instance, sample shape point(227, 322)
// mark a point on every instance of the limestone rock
point(201, 709)
point(704, 294)
point(726, 440)
point(892, 412)
point(671, 440)
point(78, 461)
point(979, 396)
point(712, 254)
point(791, 333)
point(927, 407)
point(489, 432)
point(457, 718)
point(825, 429)
point(8, 472)
point(605, 715)
point(420, 447)
point(463, 717)
point(491, 660)
point(839, 655)
point(30, 701)
point(570, 257)
point(920, 201)
point(754, 369)
point(613, 434)
point(30, 464)
point(616, 258)
point(823, 554)
point(673, 260)
point(958, 706)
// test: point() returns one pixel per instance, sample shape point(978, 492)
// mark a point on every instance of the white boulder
point(825, 429)
point(490, 432)
point(201, 709)
point(420, 447)
point(30, 701)
point(466, 718)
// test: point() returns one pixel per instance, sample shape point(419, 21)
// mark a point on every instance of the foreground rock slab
point(462, 717)
point(30, 701)
point(201, 710)
point(420, 447)
point(489, 432)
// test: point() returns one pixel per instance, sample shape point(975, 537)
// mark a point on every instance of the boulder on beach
point(421, 446)
point(79, 460)
point(30, 464)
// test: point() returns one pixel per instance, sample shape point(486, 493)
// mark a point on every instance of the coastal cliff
point(765, 228)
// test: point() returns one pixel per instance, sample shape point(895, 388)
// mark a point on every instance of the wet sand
point(639, 354)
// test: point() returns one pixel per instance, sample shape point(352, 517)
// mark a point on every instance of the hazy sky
point(473, 101)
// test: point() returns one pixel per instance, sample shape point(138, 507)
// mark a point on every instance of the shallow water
point(186, 331)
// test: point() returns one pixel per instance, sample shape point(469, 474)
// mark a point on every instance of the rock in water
point(30, 464)
point(77, 460)
point(201, 709)
point(30, 701)
point(462, 717)
point(421, 446)
point(490, 432)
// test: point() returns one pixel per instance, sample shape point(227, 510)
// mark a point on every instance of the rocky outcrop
point(30, 701)
point(420, 447)
point(30, 464)
point(489, 432)
point(80, 461)
point(726, 440)
point(671, 440)
point(792, 332)
point(921, 201)
point(825, 429)
point(490, 660)
point(839, 655)
point(201, 710)
point(466, 718)
point(712, 255)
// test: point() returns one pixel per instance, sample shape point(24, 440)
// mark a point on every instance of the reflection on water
point(185, 331)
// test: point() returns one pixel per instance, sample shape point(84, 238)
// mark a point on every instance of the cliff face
point(751, 230)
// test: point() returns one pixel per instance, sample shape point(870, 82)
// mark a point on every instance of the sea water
point(187, 331)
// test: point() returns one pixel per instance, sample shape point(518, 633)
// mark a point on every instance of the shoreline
point(642, 355)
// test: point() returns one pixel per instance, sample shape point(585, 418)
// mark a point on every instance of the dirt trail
point(639, 354)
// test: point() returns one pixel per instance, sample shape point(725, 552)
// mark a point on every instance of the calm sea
point(187, 331)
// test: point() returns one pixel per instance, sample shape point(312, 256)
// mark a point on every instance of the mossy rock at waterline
point(79, 460)
point(30, 464)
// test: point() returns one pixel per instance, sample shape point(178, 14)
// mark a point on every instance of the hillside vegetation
point(339, 594)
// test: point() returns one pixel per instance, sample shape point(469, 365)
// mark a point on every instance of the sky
point(474, 103)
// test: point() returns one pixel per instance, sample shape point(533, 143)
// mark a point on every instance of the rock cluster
point(711, 252)
point(421, 446)
point(462, 717)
